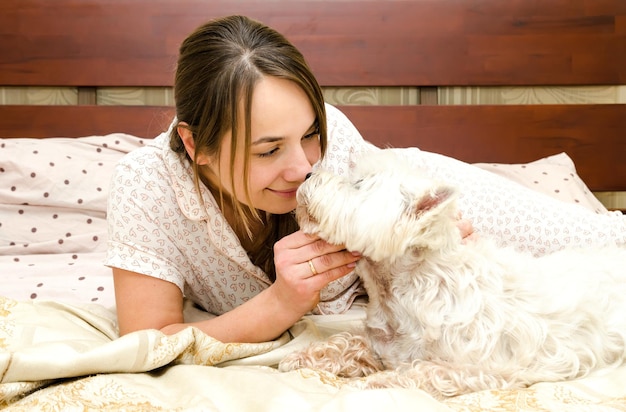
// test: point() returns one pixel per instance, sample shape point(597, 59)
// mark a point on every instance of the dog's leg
point(440, 380)
point(452, 380)
point(344, 354)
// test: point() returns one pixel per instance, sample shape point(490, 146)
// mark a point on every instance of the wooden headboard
point(423, 45)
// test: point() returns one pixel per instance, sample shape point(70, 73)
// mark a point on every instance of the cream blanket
point(58, 356)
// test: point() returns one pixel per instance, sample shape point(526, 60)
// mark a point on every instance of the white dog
point(449, 316)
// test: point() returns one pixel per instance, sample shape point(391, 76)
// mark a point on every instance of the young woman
point(204, 211)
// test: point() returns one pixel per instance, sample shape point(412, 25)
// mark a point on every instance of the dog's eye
point(357, 184)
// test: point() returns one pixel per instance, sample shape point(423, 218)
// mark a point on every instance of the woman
point(204, 211)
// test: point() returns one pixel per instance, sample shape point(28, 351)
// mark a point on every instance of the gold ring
point(312, 267)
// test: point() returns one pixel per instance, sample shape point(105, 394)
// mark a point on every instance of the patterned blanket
point(58, 356)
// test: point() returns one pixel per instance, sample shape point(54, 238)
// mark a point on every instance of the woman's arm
point(145, 302)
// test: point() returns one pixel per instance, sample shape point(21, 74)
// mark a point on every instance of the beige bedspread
point(58, 356)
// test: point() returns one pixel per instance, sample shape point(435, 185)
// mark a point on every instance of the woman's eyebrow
point(267, 139)
point(273, 139)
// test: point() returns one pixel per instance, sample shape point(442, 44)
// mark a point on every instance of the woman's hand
point(305, 264)
point(466, 228)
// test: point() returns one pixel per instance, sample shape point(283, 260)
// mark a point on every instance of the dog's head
point(382, 209)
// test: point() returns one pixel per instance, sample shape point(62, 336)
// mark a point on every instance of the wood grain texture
point(347, 42)
point(39, 122)
point(592, 135)
point(414, 43)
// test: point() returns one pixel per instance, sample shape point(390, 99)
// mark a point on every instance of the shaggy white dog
point(450, 316)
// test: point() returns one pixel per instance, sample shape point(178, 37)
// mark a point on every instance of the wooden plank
point(87, 95)
point(593, 135)
point(391, 43)
point(76, 121)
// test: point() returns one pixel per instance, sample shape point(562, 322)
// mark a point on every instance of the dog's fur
point(450, 316)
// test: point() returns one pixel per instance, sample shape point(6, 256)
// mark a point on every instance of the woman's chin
point(281, 208)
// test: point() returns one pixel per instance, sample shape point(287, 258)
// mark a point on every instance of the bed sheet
point(68, 357)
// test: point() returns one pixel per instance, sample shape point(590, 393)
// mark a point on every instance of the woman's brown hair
point(218, 67)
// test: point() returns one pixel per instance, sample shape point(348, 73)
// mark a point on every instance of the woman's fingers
point(467, 229)
point(332, 265)
point(305, 264)
point(312, 255)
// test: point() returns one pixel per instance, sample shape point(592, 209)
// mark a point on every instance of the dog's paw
point(344, 355)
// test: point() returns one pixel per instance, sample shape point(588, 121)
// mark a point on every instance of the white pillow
point(555, 176)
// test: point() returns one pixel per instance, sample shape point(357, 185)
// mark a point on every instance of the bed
point(532, 90)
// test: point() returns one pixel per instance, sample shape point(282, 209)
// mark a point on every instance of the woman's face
point(284, 146)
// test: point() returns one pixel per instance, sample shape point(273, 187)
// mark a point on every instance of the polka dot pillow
point(53, 192)
point(554, 176)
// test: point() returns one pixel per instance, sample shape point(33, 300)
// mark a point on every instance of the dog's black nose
point(308, 175)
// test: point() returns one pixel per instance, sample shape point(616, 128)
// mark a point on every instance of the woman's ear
point(190, 144)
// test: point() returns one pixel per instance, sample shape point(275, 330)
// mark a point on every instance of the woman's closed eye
point(313, 135)
point(269, 152)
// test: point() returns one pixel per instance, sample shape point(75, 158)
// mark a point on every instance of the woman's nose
point(298, 166)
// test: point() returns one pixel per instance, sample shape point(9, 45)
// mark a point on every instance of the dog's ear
point(435, 199)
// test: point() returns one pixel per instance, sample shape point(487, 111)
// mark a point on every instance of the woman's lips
point(287, 194)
